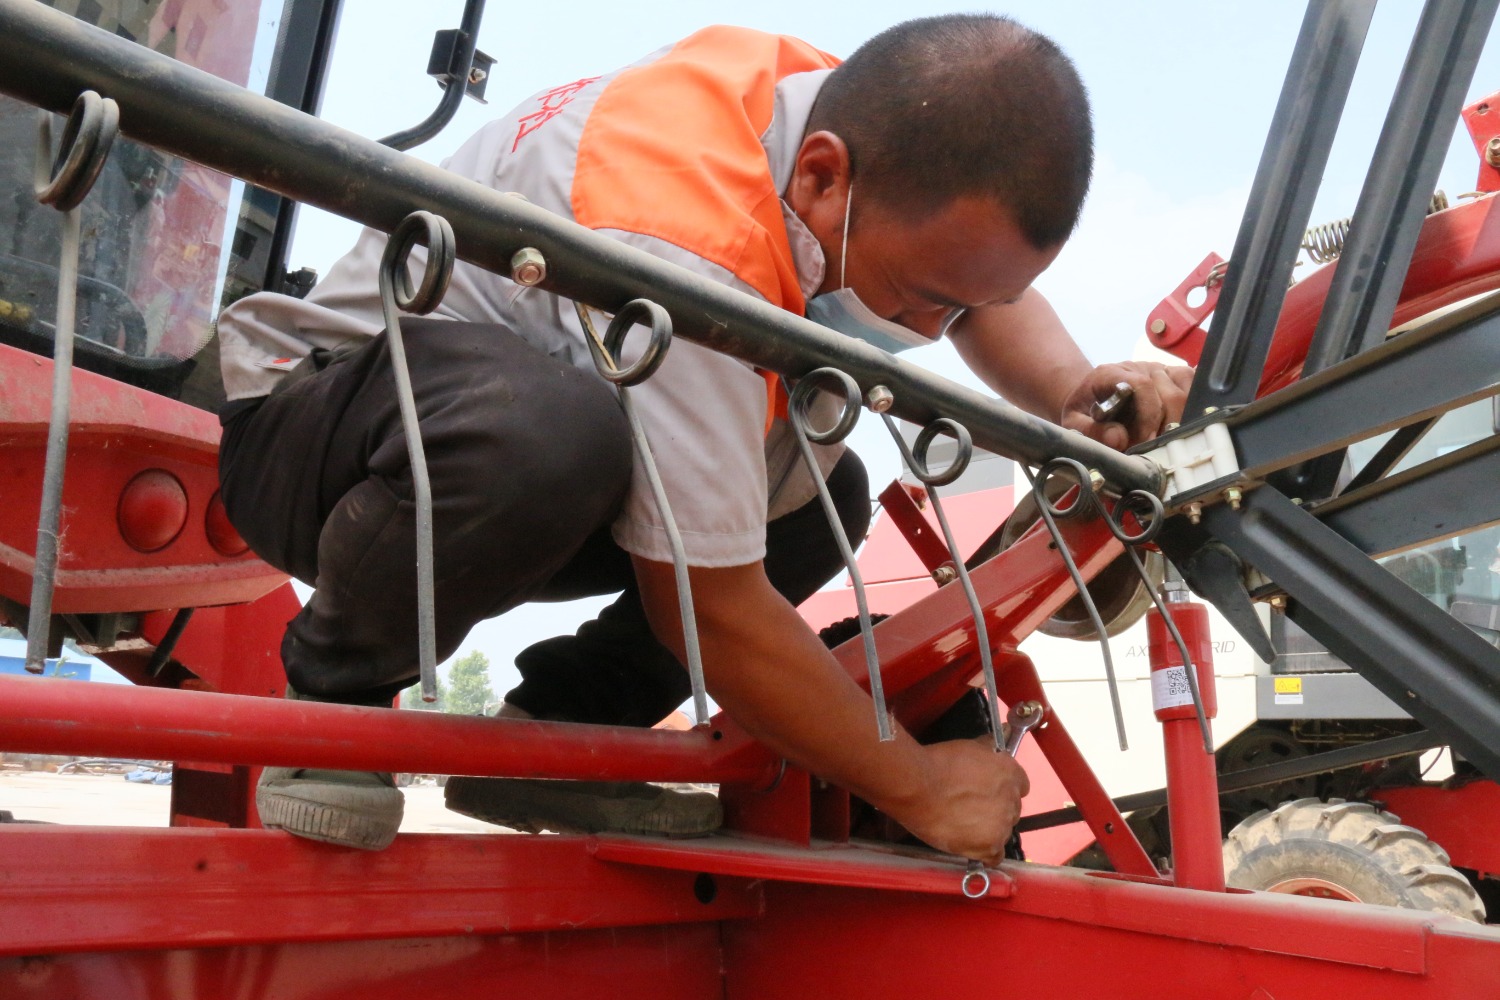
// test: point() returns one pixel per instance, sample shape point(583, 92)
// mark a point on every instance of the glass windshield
point(160, 235)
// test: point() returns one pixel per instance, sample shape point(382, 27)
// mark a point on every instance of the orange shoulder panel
point(672, 150)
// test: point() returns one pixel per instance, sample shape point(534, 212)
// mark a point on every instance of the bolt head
point(528, 267)
point(880, 399)
point(1158, 326)
point(1195, 512)
point(944, 574)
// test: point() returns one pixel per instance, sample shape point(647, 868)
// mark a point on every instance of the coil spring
point(1325, 243)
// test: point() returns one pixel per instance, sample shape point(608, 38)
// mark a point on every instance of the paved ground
point(110, 800)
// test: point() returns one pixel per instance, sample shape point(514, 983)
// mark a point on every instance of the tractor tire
point(1348, 851)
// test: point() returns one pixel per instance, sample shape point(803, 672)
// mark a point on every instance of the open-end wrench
point(1020, 720)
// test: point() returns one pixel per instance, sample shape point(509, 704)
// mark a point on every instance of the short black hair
point(937, 108)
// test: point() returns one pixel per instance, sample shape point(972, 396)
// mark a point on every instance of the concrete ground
point(110, 800)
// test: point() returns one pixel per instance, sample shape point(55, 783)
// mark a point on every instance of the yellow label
point(1288, 685)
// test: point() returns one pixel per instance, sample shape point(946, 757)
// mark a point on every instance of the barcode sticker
point(1169, 688)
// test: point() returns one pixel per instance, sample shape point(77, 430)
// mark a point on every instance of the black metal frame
point(1357, 385)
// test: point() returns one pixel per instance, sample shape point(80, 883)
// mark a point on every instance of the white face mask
point(842, 310)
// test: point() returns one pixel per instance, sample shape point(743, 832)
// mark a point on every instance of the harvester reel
point(1120, 595)
point(1347, 851)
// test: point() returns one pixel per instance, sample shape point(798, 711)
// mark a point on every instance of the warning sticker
point(1288, 690)
point(1169, 688)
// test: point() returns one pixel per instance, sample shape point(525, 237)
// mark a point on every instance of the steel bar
point(1448, 496)
point(1416, 654)
point(1402, 175)
point(1394, 202)
point(453, 90)
point(1257, 777)
point(1390, 453)
point(49, 517)
point(47, 57)
point(1281, 197)
point(1422, 373)
point(46, 715)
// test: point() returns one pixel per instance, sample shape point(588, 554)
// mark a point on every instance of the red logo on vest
point(552, 103)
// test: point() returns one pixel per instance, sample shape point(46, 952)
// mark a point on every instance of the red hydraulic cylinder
point(1192, 779)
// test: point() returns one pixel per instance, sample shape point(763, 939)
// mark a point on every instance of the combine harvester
point(803, 893)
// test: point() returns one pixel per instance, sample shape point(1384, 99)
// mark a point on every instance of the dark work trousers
point(530, 460)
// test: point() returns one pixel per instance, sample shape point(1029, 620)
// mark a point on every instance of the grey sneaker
point(534, 805)
point(349, 808)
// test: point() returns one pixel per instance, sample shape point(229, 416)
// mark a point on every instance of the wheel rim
point(1318, 888)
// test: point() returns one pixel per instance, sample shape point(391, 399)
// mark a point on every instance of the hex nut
point(880, 399)
point(528, 267)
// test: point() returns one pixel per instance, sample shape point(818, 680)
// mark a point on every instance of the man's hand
point(770, 672)
point(972, 802)
point(1160, 391)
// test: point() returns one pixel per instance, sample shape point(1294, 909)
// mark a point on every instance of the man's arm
point(769, 671)
point(1022, 351)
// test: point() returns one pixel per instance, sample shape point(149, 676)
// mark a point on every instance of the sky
point(1182, 95)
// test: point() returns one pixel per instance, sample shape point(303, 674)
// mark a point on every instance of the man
point(916, 190)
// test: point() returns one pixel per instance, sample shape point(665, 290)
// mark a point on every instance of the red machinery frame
point(782, 897)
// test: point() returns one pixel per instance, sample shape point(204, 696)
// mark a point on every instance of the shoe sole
point(534, 806)
point(370, 827)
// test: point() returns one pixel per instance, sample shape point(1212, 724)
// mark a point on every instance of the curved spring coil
point(1147, 512)
point(396, 295)
point(63, 181)
point(606, 351)
point(799, 416)
point(915, 458)
point(1325, 244)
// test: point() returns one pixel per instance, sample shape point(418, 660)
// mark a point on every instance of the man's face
point(918, 271)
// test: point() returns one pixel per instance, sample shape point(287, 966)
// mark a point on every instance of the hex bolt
point(1492, 152)
point(945, 574)
point(1278, 602)
point(1194, 512)
point(528, 266)
point(1232, 496)
point(880, 399)
point(1096, 480)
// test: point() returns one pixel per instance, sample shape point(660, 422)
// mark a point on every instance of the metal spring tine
point(1132, 502)
point(1047, 512)
point(799, 399)
point(606, 352)
point(396, 295)
point(915, 458)
point(1128, 501)
point(63, 182)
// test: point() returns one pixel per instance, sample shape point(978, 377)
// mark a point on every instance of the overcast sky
point(1182, 93)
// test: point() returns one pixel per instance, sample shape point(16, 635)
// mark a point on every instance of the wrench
point(1023, 717)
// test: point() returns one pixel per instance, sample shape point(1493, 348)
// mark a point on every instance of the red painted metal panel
point(234, 649)
point(72, 889)
point(1065, 934)
point(630, 963)
point(1459, 819)
point(888, 555)
point(864, 866)
point(117, 433)
point(1457, 255)
point(45, 715)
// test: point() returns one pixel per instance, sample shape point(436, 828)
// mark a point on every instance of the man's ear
point(819, 189)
